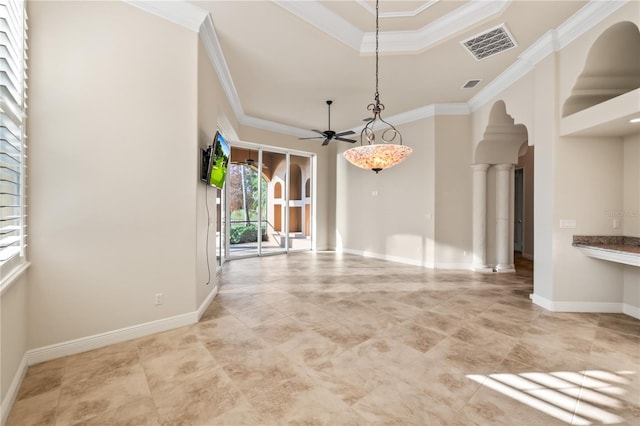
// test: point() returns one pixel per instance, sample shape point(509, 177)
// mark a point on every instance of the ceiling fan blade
point(348, 132)
point(326, 142)
point(319, 132)
point(314, 137)
point(345, 140)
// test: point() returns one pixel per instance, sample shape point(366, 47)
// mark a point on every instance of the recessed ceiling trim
point(187, 15)
point(441, 29)
point(325, 20)
point(216, 57)
point(583, 20)
point(407, 14)
point(181, 13)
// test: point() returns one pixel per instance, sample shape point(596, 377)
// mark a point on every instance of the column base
point(481, 268)
point(505, 268)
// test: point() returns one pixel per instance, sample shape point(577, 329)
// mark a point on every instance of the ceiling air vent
point(495, 40)
point(471, 84)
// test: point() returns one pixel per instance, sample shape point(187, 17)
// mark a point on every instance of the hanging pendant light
point(374, 156)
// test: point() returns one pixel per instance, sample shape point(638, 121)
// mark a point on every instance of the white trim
point(605, 307)
point(631, 310)
point(542, 302)
point(272, 126)
point(632, 259)
point(13, 276)
point(216, 56)
point(324, 19)
point(407, 14)
point(207, 301)
point(447, 26)
point(12, 392)
point(583, 20)
point(313, 12)
point(57, 350)
point(182, 13)
point(602, 307)
point(454, 266)
point(429, 111)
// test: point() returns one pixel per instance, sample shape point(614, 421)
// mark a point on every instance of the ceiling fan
point(250, 162)
point(329, 135)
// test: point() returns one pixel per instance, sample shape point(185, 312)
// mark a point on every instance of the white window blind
point(13, 68)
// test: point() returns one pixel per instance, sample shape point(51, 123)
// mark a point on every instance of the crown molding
point(552, 41)
point(586, 18)
point(324, 19)
point(216, 56)
point(179, 12)
point(471, 13)
point(428, 111)
point(260, 123)
point(199, 20)
point(408, 14)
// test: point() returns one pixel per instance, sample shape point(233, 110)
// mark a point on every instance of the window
point(13, 42)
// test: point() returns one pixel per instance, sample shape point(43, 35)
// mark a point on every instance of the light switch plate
point(568, 223)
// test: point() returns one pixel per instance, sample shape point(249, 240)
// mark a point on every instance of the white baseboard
point(542, 302)
point(373, 255)
point(445, 265)
point(205, 304)
point(71, 347)
point(602, 307)
point(631, 310)
point(12, 392)
point(407, 261)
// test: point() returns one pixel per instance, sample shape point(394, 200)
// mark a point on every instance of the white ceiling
point(286, 58)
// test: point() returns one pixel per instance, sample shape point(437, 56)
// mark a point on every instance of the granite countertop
point(614, 243)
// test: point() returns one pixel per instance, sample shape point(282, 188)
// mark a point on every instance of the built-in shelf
point(619, 249)
point(609, 118)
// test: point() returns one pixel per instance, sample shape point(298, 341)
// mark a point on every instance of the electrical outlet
point(158, 299)
point(616, 223)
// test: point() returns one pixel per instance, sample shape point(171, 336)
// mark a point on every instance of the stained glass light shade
point(377, 157)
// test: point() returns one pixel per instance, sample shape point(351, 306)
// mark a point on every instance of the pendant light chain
point(377, 95)
point(374, 156)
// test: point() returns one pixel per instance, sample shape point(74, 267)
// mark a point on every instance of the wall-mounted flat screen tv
point(215, 160)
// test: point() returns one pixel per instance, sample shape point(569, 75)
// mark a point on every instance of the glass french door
point(269, 205)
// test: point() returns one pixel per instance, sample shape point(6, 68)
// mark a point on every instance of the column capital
point(480, 167)
point(505, 166)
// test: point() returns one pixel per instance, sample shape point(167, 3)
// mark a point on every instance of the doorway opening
point(270, 201)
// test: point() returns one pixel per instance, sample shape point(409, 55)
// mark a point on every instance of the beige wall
point(588, 183)
point(631, 213)
point(575, 178)
point(214, 113)
point(112, 166)
point(453, 192)
point(391, 214)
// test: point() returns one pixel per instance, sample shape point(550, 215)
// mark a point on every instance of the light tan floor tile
point(335, 339)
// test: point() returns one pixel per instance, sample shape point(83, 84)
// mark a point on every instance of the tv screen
point(220, 153)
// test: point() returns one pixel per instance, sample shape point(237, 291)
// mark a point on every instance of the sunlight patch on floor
point(573, 397)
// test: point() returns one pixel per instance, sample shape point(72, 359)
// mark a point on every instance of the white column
point(480, 217)
point(503, 258)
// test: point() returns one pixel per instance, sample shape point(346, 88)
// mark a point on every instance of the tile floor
point(323, 338)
